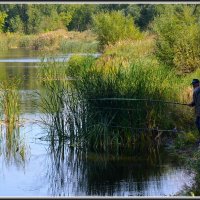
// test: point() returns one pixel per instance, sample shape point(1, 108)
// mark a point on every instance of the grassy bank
point(60, 40)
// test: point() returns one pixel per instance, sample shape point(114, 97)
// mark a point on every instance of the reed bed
point(61, 106)
point(76, 112)
point(118, 75)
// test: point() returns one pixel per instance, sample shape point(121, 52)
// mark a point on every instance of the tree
point(82, 17)
point(3, 16)
point(16, 24)
point(34, 20)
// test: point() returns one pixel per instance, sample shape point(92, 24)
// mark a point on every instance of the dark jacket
point(196, 101)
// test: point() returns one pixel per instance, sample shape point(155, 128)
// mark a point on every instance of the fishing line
point(128, 99)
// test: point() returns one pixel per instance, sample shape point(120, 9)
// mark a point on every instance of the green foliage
point(65, 18)
point(142, 13)
point(79, 64)
point(33, 18)
point(16, 24)
point(178, 39)
point(114, 26)
point(187, 57)
point(82, 17)
point(51, 23)
point(3, 16)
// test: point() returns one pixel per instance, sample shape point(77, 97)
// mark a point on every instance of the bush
point(114, 26)
point(187, 56)
point(50, 40)
point(178, 40)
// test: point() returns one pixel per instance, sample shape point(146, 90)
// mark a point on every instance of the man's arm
point(192, 103)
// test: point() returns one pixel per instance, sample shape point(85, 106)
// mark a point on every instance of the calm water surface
point(31, 167)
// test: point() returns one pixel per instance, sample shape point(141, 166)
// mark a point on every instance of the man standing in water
point(196, 102)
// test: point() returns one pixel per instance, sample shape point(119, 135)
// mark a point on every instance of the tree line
point(37, 18)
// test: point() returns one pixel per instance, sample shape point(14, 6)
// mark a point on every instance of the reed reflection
point(12, 145)
point(72, 171)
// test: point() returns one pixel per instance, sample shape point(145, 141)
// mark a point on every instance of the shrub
point(114, 26)
point(178, 39)
point(50, 40)
point(187, 56)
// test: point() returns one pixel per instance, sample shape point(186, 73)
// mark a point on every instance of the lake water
point(31, 167)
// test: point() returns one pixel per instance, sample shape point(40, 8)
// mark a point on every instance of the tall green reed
point(63, 109)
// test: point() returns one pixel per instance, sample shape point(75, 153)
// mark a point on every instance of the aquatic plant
point(60, 105)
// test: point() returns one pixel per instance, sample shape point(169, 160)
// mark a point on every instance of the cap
point(194, 81)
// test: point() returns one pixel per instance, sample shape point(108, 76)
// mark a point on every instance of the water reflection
point(13, 147)
point(74, 172)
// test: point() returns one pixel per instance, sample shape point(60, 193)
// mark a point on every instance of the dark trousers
point(197, 122)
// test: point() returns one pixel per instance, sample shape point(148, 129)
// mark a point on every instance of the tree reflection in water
point(77, 172)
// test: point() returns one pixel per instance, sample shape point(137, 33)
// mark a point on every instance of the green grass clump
point(63, 110)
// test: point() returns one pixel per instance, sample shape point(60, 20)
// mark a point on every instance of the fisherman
point(196, 102)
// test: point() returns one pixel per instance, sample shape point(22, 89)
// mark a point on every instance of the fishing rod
point(174, 130)
point(128, 99)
